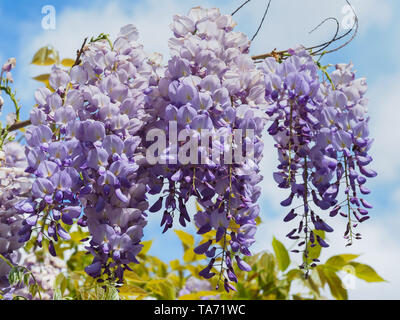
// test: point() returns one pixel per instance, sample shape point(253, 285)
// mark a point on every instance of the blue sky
point(374, 53)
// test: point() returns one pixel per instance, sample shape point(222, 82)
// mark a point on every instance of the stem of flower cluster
point(348, 200)
point(305, 202)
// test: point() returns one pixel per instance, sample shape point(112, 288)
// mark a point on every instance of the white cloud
point(396, 197)
point(385, 114)
point(288, 22)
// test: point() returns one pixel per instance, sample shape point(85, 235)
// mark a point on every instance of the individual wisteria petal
point(157, 205)
point(322, 242)
point(366, 204)
point(242, 264)
point(62, 233)
point(369, 173)
point(94, 270)
point(290, 216)
point(58, 78)
point(42, 187)
point(52, 250)
point(206, 274)
point(201, 249)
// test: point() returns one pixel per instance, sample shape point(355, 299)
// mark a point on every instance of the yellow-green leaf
point(67, 62)
point(146, 246)
point(162, 287)
point(335, 285)
point(60, 283)
point(321, 274)
point(189, 255)
point(175, 264)
point(339, 261)
point(365, 272)
point(44, 78)
point(132, 276)
point(185, 237)
point(282, 256)
point(168, 290)
point(194, 270)
point(45, 56)
point(131, 290)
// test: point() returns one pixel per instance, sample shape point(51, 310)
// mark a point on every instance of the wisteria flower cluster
point(321, 132)
point(82, 148)
point(15, 187)
point(210, 89)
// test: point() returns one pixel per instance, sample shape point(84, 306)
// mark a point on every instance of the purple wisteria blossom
point(211, 83)
point(321, 132)
point(82, 148)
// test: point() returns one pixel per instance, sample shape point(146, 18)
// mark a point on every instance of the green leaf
point(132, 276)
point(168, 290)
point(294, 274)
point(163, 288)
point(130, 290)
point(146, 246)
point(282, 256)
point(67, 62)
point(267, 270)
point(365, 272)
point(26, 279)
point(44, 78)
point(175, 265)
point(45, 56)
point(186, 238)
point(57, 294)
point(60, 283)
point(34, 289)
point(190, 256)
point(13, 276)
point(309, 282)
point(335, 285)
point(339, 261)
point(321, 273)
point(112, 293)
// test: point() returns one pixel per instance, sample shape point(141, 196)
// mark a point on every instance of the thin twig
point(274, 54)
point(355, 28)
point(279, 54)
point(329, 42)
point(19, 125)
point(79, 53)
point(241, 6)
point(334, 37)
point(262, 20)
